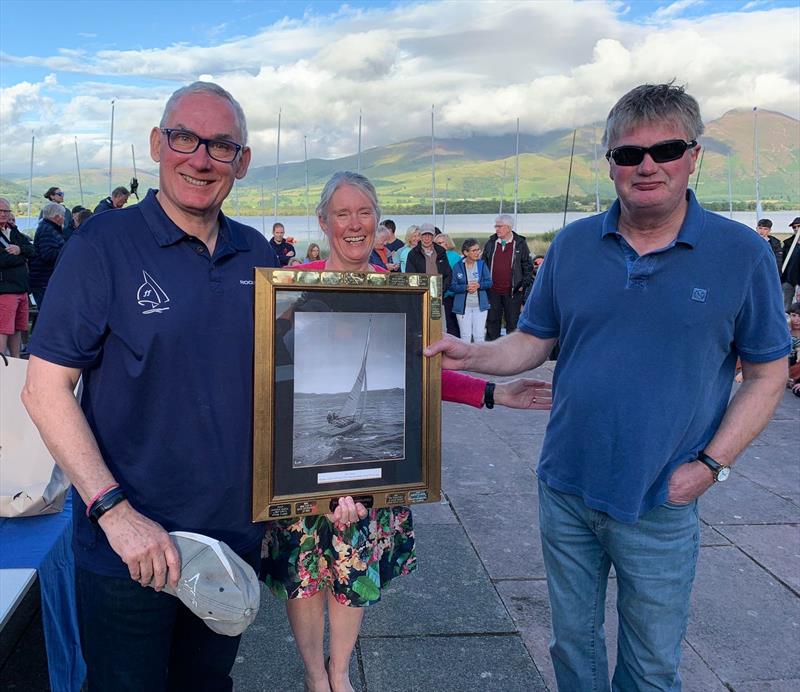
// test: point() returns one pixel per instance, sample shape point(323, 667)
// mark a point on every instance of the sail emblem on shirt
point(151, 295)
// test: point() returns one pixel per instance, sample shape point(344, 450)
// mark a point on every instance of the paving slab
point(449, 664)
point(528, 604)
point(776, 548)
point(450, 593)
point(772, 459)
point(268, 660)
point(769, 686)
point(505, 531)
point(433, 513)
point(743, 620)
point(742, 501)
point(710, 536)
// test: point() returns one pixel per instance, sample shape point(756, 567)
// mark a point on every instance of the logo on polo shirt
point(699, 295)
point(151, 296)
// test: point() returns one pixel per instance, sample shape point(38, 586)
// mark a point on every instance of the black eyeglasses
point(662, 152)
point(185, 142)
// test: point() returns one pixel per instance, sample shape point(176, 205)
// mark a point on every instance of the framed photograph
point(344, 401)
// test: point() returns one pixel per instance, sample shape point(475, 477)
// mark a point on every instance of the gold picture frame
point(344, 401)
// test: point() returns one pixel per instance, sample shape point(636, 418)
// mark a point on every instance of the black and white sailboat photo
point(349, 396)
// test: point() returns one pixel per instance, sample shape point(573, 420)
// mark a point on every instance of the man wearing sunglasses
point(145, 304)
point(644, 373)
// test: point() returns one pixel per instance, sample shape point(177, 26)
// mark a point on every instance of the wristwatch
point(720, 471)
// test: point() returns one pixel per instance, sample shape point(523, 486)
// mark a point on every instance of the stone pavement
point(475, 615)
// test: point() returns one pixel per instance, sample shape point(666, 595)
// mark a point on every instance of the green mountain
point(474, 172)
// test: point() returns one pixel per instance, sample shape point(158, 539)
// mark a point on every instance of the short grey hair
point(382, 232)
point(650, 104)
point(347, 178)
point(52, 210)
point(505, 220)
point(213, 90)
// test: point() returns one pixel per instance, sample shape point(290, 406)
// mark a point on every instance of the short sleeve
point(761, 333)
point(540, 316)
point(72, 324)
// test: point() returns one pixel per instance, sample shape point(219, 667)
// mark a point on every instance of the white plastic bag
point(30, 482)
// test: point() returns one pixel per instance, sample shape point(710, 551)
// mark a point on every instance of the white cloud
point(553, 64)
point(675, 9)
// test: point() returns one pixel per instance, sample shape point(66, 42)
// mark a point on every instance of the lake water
point(382, 437)
point(306, 230)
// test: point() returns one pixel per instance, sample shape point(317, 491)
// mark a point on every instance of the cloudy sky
point(553, 64)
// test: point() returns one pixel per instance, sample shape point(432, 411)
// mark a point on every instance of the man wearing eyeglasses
point(644, 374)
point(116, 200)
point(146, 303)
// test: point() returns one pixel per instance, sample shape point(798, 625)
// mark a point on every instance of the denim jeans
point(136, 639)
point(654, 560)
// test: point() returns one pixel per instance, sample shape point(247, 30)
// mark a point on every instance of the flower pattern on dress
point(302, 556)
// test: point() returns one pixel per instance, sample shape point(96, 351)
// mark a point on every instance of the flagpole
point(78, 162)
point(111, 152)
point(277, 165)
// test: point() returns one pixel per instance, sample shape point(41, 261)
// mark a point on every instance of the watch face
point(723, 473)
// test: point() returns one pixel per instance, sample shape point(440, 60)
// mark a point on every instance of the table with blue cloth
point(43, 543)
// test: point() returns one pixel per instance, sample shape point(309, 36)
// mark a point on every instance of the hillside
point(475, 171)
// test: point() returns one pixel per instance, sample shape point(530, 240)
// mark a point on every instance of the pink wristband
point(98, 496)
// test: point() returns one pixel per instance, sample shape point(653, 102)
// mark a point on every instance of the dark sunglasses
point(662, 152)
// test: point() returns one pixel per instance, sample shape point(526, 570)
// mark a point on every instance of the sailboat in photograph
point(350, 417)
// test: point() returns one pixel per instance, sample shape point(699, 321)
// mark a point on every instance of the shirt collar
point(690, 231)
point(166, 232)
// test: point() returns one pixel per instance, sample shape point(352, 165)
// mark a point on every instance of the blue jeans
point(654, 560)
point(136, 639)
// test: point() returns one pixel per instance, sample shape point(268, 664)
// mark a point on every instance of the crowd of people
point(623, 493)
point(26, 264)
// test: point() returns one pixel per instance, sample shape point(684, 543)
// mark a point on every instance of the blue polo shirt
point(163, 334)
point(648, 350)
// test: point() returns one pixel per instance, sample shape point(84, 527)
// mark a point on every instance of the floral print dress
point(301, 557)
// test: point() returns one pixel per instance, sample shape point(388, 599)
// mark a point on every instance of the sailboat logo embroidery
point(151, 295)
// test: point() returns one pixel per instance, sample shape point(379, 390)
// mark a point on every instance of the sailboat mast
point(699, 168)
point(30, 179)
point(433, 171)
point(305, 160)
point(569, 177)
point(502, 187)
point(730, 187)
point(516, 177)
point(277, 166)
point(358, 161)
point(596, 172)
point(111, 152)
point(78, 163)
point(755, 162)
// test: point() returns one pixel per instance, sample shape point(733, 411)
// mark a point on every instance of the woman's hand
point(524, 393)
point(472, 287)
point(347, 512)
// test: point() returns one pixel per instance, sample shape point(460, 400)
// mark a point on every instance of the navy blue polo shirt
point(163, 334)
point(648, 350)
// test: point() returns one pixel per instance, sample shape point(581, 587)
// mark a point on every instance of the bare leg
point(14, 341)
point(307, 619)
point(345, 624)
point(3, 343)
